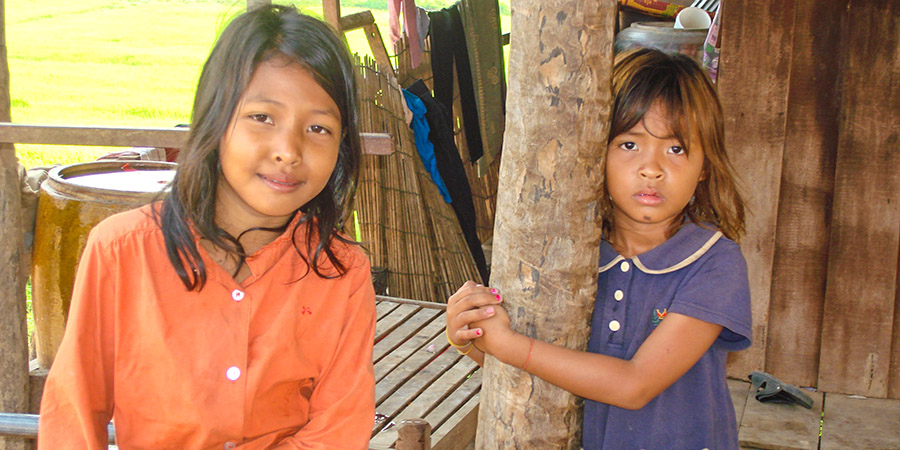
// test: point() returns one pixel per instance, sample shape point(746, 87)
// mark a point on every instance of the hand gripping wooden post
point(547, 233)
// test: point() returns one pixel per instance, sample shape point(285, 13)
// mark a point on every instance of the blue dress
point(697, 273)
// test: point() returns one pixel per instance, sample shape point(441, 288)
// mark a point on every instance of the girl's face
point(280, 148)
point(649, 174)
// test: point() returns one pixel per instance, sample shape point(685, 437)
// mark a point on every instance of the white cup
point(692, 17)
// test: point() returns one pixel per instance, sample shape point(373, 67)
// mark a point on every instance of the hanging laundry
point(410, 26)
point(481, 22)
point(448, 47)
point(424, 146)
point(453, 172)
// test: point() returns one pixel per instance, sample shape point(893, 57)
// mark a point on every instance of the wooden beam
point(373, 143)
point(557, 124)
point(14, 378)
point(357, 20)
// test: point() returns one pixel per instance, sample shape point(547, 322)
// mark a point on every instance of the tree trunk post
point(13, 330)
point(547, 233)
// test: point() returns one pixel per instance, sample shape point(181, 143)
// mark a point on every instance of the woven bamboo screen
point(410, 232)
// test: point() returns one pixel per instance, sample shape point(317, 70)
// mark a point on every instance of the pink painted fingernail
point(498, 298)
point(477, 332)
point(493, 291)
point(490, 310)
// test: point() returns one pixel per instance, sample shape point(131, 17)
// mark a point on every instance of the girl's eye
point(628, 145)
point(677, 150)
point(319, 129)
point(264, 118)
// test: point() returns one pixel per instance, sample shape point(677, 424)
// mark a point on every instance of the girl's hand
point(471, 303)
point(496, 334)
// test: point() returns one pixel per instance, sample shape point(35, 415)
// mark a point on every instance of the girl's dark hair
point(253, 37)
point(646, 77)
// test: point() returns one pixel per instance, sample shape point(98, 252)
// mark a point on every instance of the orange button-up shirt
point(281, 360)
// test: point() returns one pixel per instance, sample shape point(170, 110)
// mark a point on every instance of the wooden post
point(13, 335)
point(252, 4)
point(331, 11)
point(413, 434)
point(547, 232)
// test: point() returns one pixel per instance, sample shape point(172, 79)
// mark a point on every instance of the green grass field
point(124, 62)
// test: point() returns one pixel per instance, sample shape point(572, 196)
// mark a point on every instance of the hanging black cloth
point(448, 45)
point(450, 166)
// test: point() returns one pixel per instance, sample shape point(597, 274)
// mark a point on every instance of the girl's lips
point(648, 198)
point(280, 183)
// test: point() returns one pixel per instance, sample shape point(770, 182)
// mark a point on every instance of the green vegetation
point(124, 62)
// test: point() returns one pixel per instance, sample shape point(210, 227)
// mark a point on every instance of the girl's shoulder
point(139, 222)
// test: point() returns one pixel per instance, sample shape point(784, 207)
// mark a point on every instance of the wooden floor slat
point(420, 342)
point(403, 332)
point(437, 391)
point(396, 317)
point(865, 423)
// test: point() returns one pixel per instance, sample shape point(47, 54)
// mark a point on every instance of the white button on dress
point(619, 295)
point(625, 266)
point(233, 373)
point(237, 295)
point(614, 325)
point(230, 445)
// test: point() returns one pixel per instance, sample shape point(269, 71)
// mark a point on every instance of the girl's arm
point(342, 406)
point(77, 402)
point(667, 354)
point(471, 303)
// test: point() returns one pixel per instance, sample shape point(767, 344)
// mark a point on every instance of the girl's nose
point(288, 150)
point(651, 170)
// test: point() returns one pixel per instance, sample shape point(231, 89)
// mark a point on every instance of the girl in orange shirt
point(233, 314)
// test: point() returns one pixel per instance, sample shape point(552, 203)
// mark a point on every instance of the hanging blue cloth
point(424, 146)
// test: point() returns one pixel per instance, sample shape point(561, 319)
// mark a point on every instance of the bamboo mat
point(404, 223)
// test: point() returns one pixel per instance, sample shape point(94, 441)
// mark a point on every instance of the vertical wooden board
point(753, 88)
point(860, 423)
point(894, 383)
point(865, 232)
point(780, 426)
point(807, 185)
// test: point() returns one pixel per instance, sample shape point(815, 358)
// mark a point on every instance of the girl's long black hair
point(251, 38)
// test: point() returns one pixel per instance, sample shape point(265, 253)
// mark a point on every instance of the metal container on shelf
point(72, 200)
point(663, 36)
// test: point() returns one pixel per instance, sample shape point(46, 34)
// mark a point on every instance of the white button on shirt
point(237, 295)
point(230, 445)
point(614, 325)
point(233, 373)
point(625, 266)
point(619, 295)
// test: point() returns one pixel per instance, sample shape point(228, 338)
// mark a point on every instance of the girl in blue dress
point(673, 296)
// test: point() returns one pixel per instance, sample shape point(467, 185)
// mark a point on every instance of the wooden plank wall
point(812, 103)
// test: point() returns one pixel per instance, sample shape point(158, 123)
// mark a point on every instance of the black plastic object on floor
point(769, 389)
